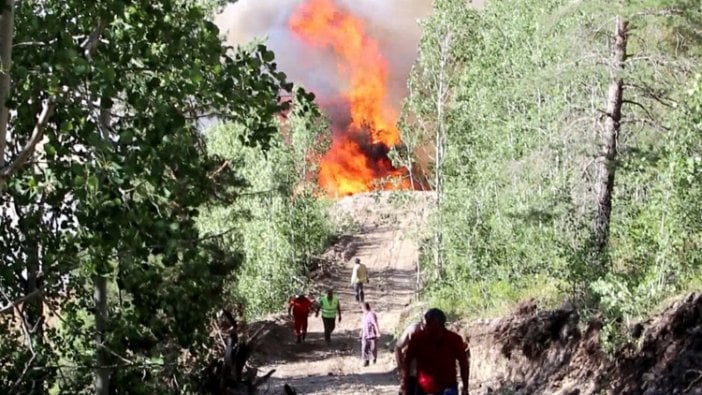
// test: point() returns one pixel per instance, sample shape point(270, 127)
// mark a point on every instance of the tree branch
point(91, 42)
point(37, 134)
point(35, 43)
point(150, 365)
point(88, 46)
point(649, 92)
point(641, 106)
point(27, 365)
point(12, 304)
point(219, 170)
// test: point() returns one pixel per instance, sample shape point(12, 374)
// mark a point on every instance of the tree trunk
point(102, 359)
point(608, 155)
point(438, 233)
point(102, 374)
point(7, 22)
point(34, 308)
point(441, 93)
point(410, 173)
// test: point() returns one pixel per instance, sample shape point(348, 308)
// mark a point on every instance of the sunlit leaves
point(116, 187)
point(526, 108)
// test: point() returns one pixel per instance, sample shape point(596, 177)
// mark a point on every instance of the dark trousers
point(329, 325)
point(412, 385)
point(450, 390)
point(369, 346)
point(358, 287)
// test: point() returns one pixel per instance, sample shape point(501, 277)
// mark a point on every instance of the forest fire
point(357, 160)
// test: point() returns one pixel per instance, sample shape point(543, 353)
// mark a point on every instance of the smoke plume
point(388, 31)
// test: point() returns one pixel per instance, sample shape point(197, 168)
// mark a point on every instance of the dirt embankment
point(545, 352)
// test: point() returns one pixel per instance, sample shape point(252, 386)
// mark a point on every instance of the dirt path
point(386, 244)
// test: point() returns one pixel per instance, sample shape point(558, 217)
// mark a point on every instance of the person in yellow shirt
point(359, 276)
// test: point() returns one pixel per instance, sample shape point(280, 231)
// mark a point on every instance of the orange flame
point(358, 154)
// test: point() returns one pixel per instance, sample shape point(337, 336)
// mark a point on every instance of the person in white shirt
point(359, 276)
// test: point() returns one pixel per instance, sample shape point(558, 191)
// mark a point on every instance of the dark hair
point(367, 305)
point(436, 315)
point(358, 260)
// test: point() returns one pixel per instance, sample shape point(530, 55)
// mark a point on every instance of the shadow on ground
point(331, 383)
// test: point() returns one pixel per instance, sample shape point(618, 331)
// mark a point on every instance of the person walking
point(359, 276)
point(299, 309)
point(436, 350)
point(370, 333)
point(331, 308)
point(400, 355)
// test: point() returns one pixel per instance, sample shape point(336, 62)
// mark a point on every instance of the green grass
point(488, 299)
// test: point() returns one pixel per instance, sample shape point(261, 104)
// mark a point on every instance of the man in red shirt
point(299, 307)
point(436, 350)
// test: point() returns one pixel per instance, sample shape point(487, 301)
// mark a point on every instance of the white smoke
point(393, 23)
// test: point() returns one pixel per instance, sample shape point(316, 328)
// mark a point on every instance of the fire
point(358, 154)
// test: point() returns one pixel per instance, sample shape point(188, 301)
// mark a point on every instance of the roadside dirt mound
point(669, 360)
point(545, 352)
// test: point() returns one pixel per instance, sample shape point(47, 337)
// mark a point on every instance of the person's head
point(330, 292)
point(300, 294)
point(357, 261)
point(434, 321)
point(366, 306)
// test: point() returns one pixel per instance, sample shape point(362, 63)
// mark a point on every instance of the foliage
point(525, 100)
point(110, 196)
point(278, 224)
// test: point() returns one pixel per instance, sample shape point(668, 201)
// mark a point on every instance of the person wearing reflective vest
point(330, 307)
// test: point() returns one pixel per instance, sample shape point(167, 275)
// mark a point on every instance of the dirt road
point(385, 241)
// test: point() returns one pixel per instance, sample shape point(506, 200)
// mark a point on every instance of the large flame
point(357, 159)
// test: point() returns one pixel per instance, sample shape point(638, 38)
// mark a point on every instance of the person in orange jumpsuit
point(299, 308)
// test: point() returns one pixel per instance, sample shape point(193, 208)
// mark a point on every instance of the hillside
point(531, 351)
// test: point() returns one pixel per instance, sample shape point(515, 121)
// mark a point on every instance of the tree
point(430, 102)
point(105, 169)
point(523, 159)
point(279, 222)
point(607, 161)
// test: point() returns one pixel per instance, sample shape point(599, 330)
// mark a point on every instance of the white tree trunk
point(440, 141)
point(7, 23)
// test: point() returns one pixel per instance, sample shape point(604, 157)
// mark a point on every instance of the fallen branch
point(695, 381)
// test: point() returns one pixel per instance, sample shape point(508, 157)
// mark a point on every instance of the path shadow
point(332, 383)
point(344, 343)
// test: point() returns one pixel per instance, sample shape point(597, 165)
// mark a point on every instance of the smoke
point(393, 23)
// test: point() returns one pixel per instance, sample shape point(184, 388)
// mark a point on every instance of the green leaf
point(78, 181)
point(92, 182)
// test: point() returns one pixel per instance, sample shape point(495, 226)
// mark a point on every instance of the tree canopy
point(104, 173)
